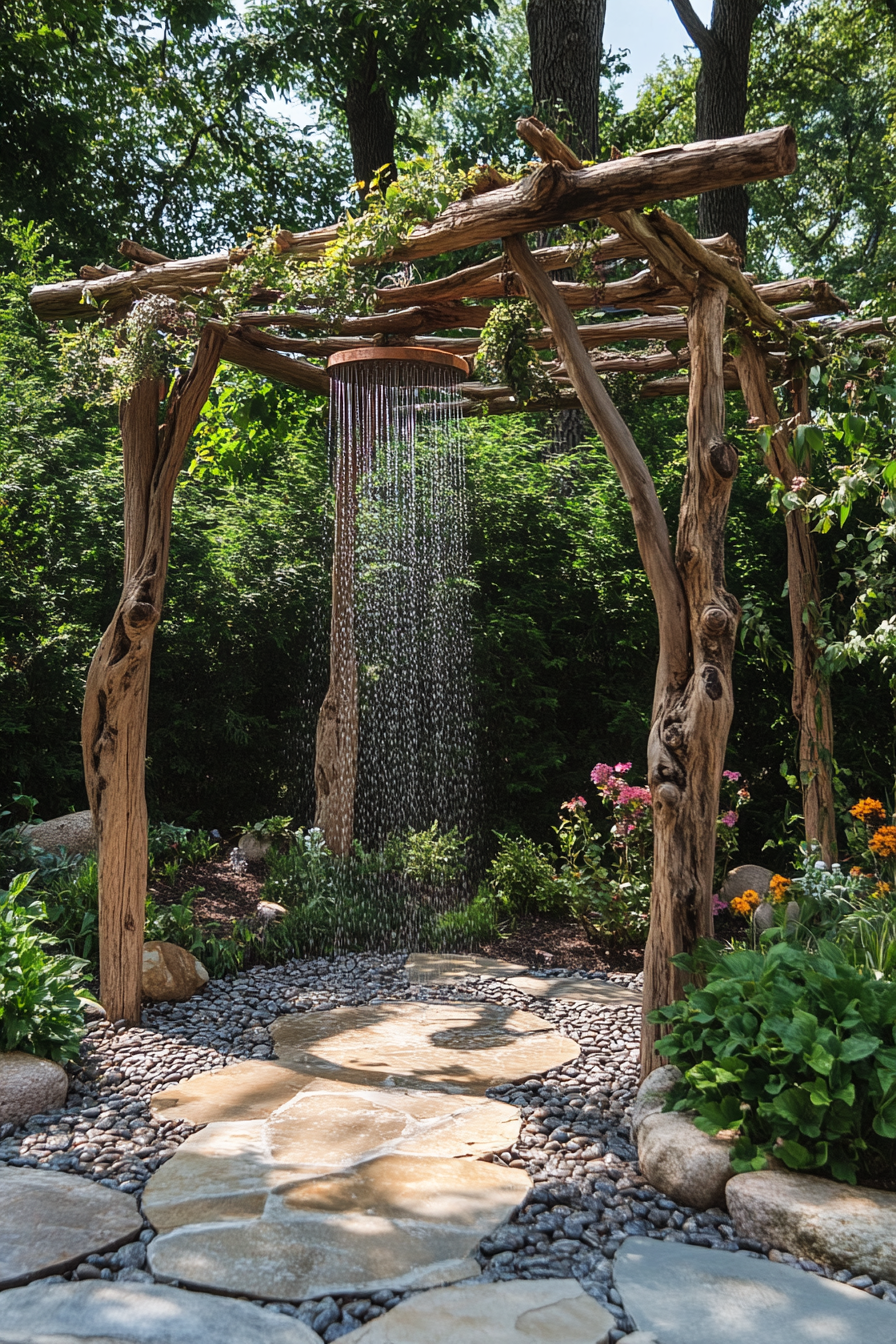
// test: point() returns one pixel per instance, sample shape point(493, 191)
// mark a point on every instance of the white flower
point(821, 866)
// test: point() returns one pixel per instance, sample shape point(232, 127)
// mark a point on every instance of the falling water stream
point(398, 467)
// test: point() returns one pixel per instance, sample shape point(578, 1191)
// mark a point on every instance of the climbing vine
point(505, 355)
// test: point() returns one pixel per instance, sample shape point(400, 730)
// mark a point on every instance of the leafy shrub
point(794, 1051)
point(173, 847)
point(40, 1011)
point(435, 857)
point(522, 876)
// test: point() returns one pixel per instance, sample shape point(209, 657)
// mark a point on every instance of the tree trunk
point(371, 125)
point(565, 45)
point(811, 695)
point(697, 624)
point(686, 749)
point(722, 100)
point(336, 760)
point(113, 723)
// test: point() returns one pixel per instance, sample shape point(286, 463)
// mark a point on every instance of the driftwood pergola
point(691, 295)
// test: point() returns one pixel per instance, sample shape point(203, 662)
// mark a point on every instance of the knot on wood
point(724, 459)
point(715, 620)
point(712, 682)
point(139, 615)
point(673, 734)
point(668, 794)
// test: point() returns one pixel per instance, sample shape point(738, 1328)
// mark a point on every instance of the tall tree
point(722, 100)
point(361, 57)
point(565, 41)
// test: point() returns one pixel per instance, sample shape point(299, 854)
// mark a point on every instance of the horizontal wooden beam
point(550, 196)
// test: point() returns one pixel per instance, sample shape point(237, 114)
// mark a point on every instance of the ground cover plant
point(792, 1054)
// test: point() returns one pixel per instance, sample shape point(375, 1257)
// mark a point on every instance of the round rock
point(51, 1222)
point(679, 1159)
point(97, 1312)
point(73, 832)
point(171, 974)
point(29, 1086)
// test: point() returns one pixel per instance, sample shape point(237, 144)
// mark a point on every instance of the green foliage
point(435, 857)
point(505, 355)
point(522, 877)
point(269, 828)
point(40, 993)
point(793, 1051)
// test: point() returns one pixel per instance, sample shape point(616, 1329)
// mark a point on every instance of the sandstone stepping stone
point(29, 1086)
point(50, 1222)
point(227, 1170)
point(845, 1226)
point(689, 1295)
point(584, 991)
point(138, 1313)
point(546, 1311)
point(344, 1189)
point(449, 1047)
point(425, 968)
point(250, 1090)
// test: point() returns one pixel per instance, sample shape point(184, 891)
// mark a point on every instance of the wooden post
point(113, 723)
point(336, 761)
point(697, 620)
point(811, 694)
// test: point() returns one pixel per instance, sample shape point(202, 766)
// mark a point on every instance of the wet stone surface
point(574, 1142)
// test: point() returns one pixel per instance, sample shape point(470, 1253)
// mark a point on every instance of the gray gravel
point(575, 1141)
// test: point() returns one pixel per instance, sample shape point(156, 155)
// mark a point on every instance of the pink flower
point(717, 905)
point(574, 803)
point(798, 482)
point(728, 818)
point(601, 774)
point(623, 767)
point(732, 775)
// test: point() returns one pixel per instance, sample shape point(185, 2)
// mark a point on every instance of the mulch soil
point(225, 895)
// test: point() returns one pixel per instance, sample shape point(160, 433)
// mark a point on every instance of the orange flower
point(855, 872)
point(882, 889)
point(869, 810)
point(778, 888)
point(746, 903)
point(883, 842)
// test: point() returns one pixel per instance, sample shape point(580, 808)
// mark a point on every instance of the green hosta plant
point(40, 1009)
point(795, 1052)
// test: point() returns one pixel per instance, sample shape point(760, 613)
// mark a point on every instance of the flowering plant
point(606, 873)
point(731, 799)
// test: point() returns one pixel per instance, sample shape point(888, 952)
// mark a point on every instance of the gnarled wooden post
point(811, 695)
point(113, 723)
point(697, 622)
point(336, 760)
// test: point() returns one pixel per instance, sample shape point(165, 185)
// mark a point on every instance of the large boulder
point(171, 974)
point(679, 1159)
point(255, 846)
point(748, 877)
point(653, 1093)
point(29, 1086)
point(844, 1226)
point(73, 832)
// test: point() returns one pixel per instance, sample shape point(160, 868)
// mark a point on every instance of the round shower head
point(377, 358)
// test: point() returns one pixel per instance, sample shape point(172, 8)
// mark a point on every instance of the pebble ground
point(575, 1140)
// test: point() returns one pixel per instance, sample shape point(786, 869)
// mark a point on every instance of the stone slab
point(844, 1226)
point(582, 991)
point(50, 1222)
point(290, 1260)
point(690, 1295)
point(250, 1090)
point(463, 1048)
point(343, 1189)
point(426, 968)
point(545, 1311)
point(137, 1313)
point(227, 1170)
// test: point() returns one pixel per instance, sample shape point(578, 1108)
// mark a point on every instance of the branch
point(650, 523)
point(696, 29)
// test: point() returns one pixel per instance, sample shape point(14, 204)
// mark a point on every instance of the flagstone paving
point(449, 1047)
point(368, 1176)
point(49, 1222)
point(689, 1295)
point(552, 1311)
point(424, 968)
point(138, 1313)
